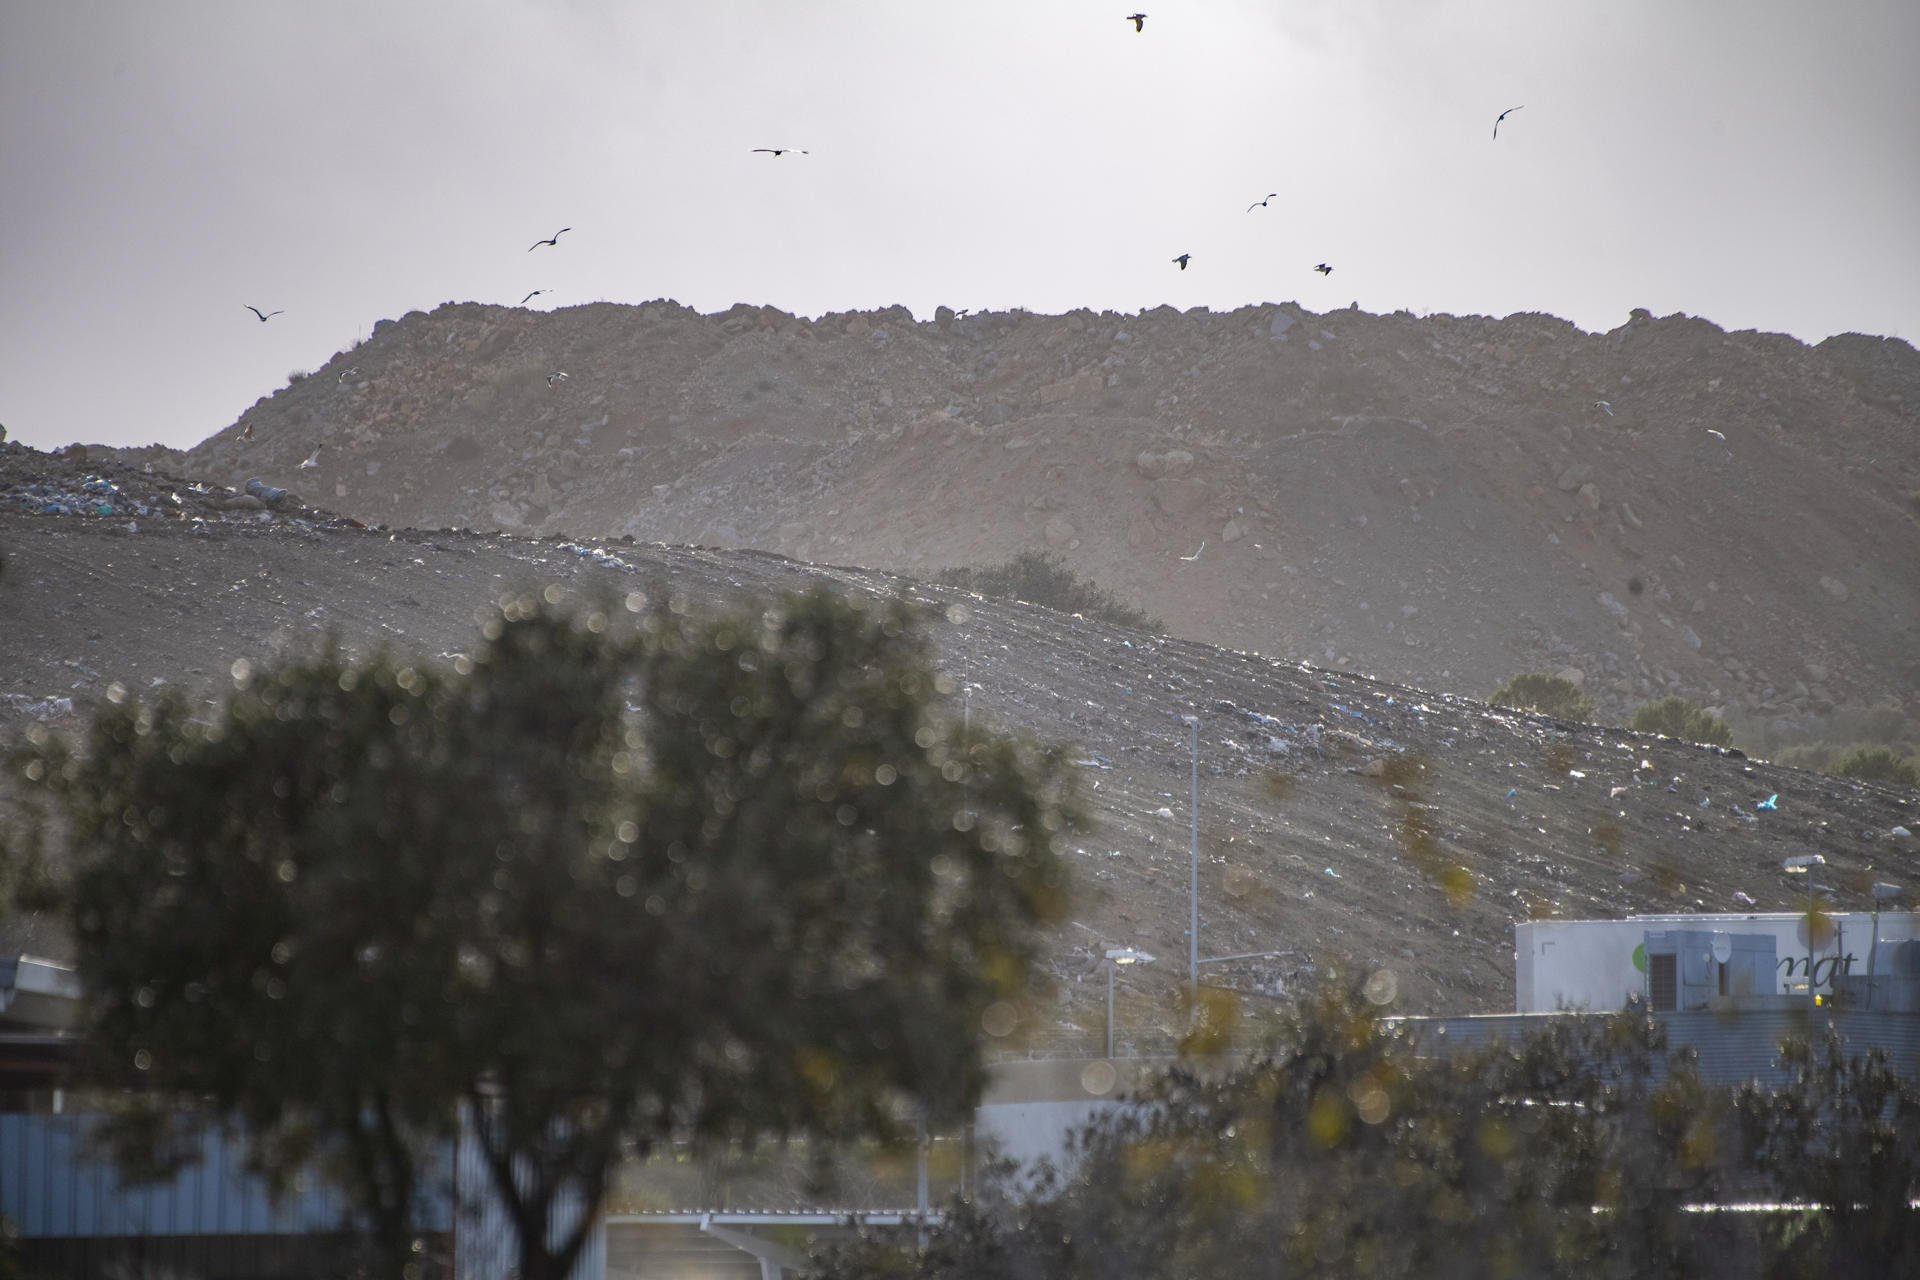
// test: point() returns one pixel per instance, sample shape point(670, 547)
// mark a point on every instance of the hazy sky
point(1755, 162)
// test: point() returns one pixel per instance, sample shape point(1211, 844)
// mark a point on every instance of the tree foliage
point(1880, 764)
point(1043, 578)
point(730, 874)
point(1352, 1148)
point(1681, 718)
point(1554, 696)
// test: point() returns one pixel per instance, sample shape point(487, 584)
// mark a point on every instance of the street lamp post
point(1116, 957)
point(1193, 878)
point(1803, 865)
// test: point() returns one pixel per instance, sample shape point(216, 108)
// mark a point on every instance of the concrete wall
point(1030, 1110)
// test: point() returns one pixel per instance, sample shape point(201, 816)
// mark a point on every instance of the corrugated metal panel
point(54, 1182)
point(1730, 1047)
point(484, 1242)
point(55, 1185)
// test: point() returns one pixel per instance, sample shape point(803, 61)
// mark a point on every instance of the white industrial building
point(1859, 960)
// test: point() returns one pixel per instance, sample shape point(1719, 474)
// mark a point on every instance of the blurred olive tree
point(611, 878)
point(1351, 1148)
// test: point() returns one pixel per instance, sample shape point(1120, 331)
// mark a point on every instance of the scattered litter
point(272, 495)
point(599, 555)
point(39, 709)
point(1771, 802)
point(1163, 812)
point(1512, 792)
point(1616, 793)
point(1901, 833)
point(1744, 900)
point(1333, 873)
point(1575, 773)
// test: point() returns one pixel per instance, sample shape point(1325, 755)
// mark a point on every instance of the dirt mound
point(1442, 501)
point(1343, 821)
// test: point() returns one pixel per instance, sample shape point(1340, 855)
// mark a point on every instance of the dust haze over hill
point(1438, 503)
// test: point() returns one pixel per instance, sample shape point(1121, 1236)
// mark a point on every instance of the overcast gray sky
point(1755, 162)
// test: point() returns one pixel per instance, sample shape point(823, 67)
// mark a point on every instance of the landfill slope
point(1441, 501)
point(1343, 821)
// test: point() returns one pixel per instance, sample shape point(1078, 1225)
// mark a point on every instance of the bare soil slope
point(1343, 820)
point(1441, 501)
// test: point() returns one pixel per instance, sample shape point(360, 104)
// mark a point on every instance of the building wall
point(53, 1182)
point(77, 1216)
point(1590, 964)
point(1731, 1048)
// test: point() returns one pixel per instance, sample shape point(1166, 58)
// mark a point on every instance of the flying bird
point(555, 379)
point(313, 459)
point(1721, 434)
point(1324, 269)
point(536, 293)
point(1182, 260)
point(1502, 116)
point(345, 374)
point(1196, 555)
point(1139, 21)
point(1261, 204)
point(553, 239)
point(264, 317)
point(774, 151)
point(1603, 407)
point(248, 433)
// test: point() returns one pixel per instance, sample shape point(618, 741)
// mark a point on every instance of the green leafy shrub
point(1880, 764)
point(1549, 695)
point(1678, 717)
point(1043, 578)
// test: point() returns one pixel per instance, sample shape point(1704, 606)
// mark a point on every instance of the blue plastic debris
point(1771, 802)
point(1512, 792)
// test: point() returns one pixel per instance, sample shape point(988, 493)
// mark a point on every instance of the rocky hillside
point(1441, 501)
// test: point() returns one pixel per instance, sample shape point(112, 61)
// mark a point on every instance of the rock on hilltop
point(1442, 501)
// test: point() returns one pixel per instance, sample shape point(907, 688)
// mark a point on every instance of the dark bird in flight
point(536, 293)
point(1182, 260)
point(263, 317)
point(1324, 269)
point(1139, 21)
point(1261, 204)
point(774, 151)
point(1502, 116)
point(553, 239)
point(555, 379)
